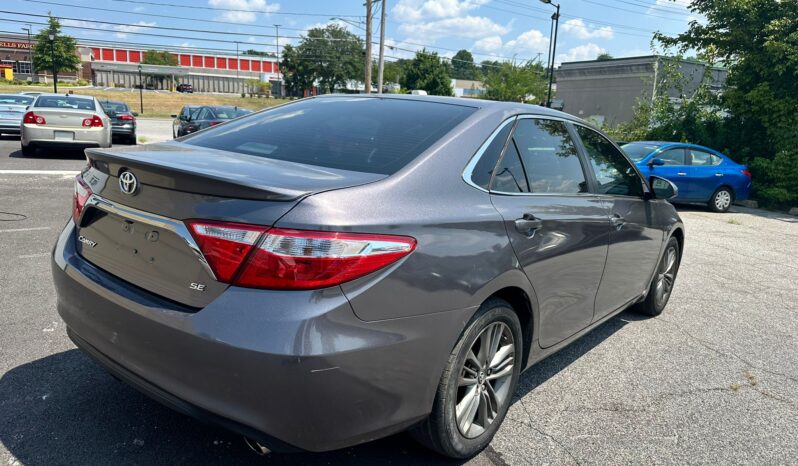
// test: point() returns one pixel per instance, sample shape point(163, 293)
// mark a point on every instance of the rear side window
point(510, 176)
point(701, 158)
point(58, 101)
point(372, 135)
point(483, 170)
point(549, 157)
point(615, 174)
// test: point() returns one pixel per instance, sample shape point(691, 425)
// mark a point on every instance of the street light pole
point(30, 50)
point(552, 46)
point(141, 92)
point(51, 36)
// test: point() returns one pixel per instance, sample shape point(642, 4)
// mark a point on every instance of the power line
point(236, 10)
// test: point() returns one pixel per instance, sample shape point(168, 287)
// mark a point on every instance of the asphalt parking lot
point(714, 380)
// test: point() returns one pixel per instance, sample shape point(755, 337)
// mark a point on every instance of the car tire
point(721, 200)
point(443, 430)
point(662, 284)
point(29, 150)
point(132, 140)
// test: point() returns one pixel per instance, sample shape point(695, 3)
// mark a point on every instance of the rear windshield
point(116, 107)
point(370, 135)
point(15, 99)
point(639, 150)
point(228, 113)
point(57, 101)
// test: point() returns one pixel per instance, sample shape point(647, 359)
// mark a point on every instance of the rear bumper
point(45, 136)
point(122, 131)
point(292, 370)
point(9, 126)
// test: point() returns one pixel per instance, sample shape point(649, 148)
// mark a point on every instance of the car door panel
point(675, 169)
point(706, 174)
point(558, 230)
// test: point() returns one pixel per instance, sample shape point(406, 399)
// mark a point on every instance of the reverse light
point(33, 119)
point(93, 122)
point(259, 257)
point(81, 195)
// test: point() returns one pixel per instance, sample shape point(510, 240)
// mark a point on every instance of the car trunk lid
point(141, 236)
point(64, 117)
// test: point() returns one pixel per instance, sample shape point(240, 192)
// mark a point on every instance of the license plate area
point(63, 135)
point(149, 256)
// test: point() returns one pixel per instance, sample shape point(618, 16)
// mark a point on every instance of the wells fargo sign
point(15, 45)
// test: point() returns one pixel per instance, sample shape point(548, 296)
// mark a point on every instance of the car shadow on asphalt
point(64, 409)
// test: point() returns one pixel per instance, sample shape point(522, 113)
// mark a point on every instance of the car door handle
point(617, 221)
point(718, 174)
point(528, 224)
point(682, 174)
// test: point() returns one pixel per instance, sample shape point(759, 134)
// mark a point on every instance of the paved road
point(714, 380)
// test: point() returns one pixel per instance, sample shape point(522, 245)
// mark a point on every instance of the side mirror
point(662, 188)
point(135, 114)
point(656, 162)
point(173, 116)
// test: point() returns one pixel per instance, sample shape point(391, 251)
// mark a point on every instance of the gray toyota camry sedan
point(338, 269)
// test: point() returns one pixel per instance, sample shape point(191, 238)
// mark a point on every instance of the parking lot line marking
point(14, 230)
point(31, 256)
point(39, 172)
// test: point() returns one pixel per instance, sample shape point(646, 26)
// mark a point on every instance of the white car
point(12, 108)
point(64, 121)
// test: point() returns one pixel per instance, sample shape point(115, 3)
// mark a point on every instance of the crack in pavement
point(546, 434)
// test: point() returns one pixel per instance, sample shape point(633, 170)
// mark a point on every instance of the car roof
point(666, 144)
point(71, 96)
point(107, 101)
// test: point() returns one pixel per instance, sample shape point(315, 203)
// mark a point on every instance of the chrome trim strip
point(175, 226)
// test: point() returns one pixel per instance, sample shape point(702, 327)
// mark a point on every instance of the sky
point(489, 29)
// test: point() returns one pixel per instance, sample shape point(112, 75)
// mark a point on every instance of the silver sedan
point(12, 108)
point(64, 121)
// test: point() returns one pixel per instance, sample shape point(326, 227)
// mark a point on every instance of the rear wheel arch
point(519, 300)
point(678, 233)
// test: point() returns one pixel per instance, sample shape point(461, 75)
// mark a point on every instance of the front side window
point(614, 173)
point(549, 157)
point(672, 156)
point(637, 151)
point(701, 158)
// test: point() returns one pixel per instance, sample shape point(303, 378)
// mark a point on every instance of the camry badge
point(85, 240)
point(128, 183)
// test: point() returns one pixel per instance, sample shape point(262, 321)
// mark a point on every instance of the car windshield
point(639, 150)
point(228, 113)
point(15, 99)
point(371, 135)
point(116, 107)
point(57, 101)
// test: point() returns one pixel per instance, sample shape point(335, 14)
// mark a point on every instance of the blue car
point(701, 174)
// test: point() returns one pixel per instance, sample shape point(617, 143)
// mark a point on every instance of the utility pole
point(238, 67)
point(277, 56)
point(369, 4)
point(555, 18)
point(382, 47)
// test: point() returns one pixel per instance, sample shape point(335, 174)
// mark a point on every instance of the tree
point(604, 57)
point(297, 73)
point(57, 55)
point(155, 57)
point(394, 70)
point(258, 53)
point(428, 72)
point(336, 56)
point(512, 83)
point(463, 66)
point(758, 41)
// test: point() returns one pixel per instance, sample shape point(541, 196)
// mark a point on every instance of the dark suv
point(341, 268)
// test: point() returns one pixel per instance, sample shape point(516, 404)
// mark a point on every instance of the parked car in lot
point(185, 88)
point(181, 120)
point(12, 109)
point(123, 121)
point(314, 281)
point(66, 121)
point(702, 174)
point(207, 116)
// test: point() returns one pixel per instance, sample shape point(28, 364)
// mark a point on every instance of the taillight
point(293, 259)
point(301, 260)
point(225, 245)
point(214, 123)
point(82, 193)
point(93, 122)
point(33, 119)
point(126, 117)
point(747, 173)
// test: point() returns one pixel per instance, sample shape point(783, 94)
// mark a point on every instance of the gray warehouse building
point(605, 91)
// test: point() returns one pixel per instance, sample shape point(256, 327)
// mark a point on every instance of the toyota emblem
point(128, 183)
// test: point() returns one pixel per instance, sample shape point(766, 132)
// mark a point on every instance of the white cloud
point(580, 53)
point(470, 27)
point(124, 30)
point(488, 44)
point(418, 10)
point(532, 41)
point(246, 11)
point(578, 28)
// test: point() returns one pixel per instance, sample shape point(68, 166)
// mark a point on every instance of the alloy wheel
point(666, 275)
point(722, 200)
point(485, 379)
